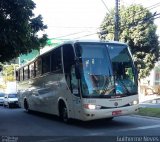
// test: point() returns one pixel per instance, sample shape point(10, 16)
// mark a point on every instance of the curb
point(147, 117)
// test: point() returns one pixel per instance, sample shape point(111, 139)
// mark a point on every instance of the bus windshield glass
point(95, 69)
point(123, 69)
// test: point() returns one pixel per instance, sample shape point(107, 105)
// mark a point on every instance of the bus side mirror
point(77, 71)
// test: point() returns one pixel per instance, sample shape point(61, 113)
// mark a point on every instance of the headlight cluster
point(91, 106)
point(135, 102)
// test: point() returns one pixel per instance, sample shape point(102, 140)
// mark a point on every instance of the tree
point(138, 30)
point(8, 72)
point(19, 28)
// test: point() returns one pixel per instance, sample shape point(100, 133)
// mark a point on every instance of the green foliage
point(152, 112)
point(8, 72)
point(18, 28)
point(138, 30)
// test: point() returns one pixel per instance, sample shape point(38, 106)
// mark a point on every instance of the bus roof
point(93, 41)
point(73, 42)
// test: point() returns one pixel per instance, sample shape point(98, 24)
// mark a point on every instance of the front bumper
point(107, 113)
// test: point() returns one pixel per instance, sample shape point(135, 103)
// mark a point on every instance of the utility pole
point(116, 21)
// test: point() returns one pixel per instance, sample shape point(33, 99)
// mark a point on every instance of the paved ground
point(16, 122)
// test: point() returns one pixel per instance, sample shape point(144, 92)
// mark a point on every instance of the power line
point(149, 8)
point(85, 35)
point(142, 21)
point(101, 32)
point(70, 34)
point(73, 27)
point(105, 6)
point(156, 17)
point(153, 16)
point(153, 5)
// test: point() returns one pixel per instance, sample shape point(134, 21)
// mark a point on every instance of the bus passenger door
point(76, 94)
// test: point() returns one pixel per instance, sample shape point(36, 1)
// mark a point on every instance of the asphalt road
point(16, 122)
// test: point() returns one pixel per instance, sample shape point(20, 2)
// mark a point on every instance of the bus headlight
point(91, 106)
point(135, 102)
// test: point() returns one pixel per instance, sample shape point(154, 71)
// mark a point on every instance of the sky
point(80, 19)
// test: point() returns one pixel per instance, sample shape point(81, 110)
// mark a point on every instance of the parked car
point(11, 100)
point(1, 98)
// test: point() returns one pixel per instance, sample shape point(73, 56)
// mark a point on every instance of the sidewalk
point(143, 98)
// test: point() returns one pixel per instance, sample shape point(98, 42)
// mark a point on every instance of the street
point(17, 122)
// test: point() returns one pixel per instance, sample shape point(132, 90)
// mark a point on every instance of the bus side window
point(31, 68)
point(21, 74)
point(38, 67)
point(17, 75)
point(56, 64)
point(25, 72)
point(46, 63)
point(68, 61)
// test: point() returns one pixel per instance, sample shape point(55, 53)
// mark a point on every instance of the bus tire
point(63, 113)
point(9, 105)
point(109, 119)
point(26, 106)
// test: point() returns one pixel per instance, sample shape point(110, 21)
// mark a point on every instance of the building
point(150, 86)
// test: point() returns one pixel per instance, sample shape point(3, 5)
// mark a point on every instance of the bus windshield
point(123, 69)
point(95, 69)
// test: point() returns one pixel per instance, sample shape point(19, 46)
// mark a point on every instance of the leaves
point(8, 72)
point(138, 30)
point(19, 28)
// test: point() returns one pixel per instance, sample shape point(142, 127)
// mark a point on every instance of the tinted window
point(17, 75)
point(95, 70)
point(56, 64)
point(68, 58)
point(123, 69)
point(38, 67)
point(25, 72)
point(46, 63)
point(68, 61)
point(31, 69)
point(21, 74)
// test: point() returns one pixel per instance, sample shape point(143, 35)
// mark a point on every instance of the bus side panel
point(42, 93)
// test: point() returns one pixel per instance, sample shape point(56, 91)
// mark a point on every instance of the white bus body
point(55, 82)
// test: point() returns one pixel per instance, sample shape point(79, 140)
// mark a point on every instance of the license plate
point(117, 112)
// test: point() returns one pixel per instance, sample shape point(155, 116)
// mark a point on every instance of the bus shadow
point(101, 124)
point(43, 115)
point(94, 124)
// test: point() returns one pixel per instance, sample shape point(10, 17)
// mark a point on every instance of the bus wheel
point(9, 105)
point(64, 114)
point(109, 119)
point(26, 105)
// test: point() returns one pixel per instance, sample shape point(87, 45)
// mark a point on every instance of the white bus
point(83, 80)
